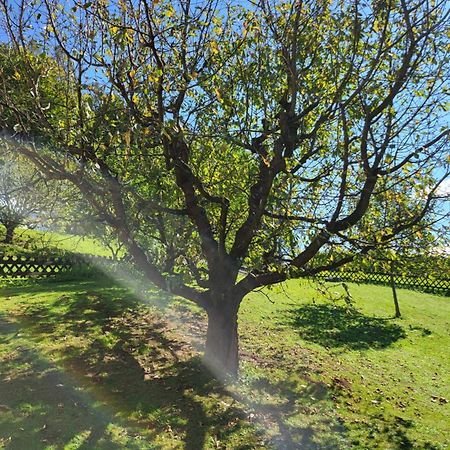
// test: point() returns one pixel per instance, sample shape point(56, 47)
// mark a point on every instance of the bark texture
point(9, 233)
point(222, 341)
point(394, 291)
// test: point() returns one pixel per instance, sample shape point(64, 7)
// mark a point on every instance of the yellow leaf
point(170, 11)
point(129, 36)
point(214, 47)
point(376, 26)
point(17, 75)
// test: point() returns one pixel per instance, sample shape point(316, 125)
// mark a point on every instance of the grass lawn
point(89, 365)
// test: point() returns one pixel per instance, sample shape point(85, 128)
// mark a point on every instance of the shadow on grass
point(121, 374)
point(337, 326)
point(396, 432)
point(41, 406)
point(300, 409)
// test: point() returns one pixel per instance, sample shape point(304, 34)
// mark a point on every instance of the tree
point(413, 250)
point(82, 221)
point(230, 146)
point(24, 197)
point(400, 259)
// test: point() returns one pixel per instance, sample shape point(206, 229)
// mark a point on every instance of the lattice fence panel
point(426, 283)
point(21, 266)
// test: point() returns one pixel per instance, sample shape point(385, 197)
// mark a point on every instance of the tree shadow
point(396, 432)
point(131, 365)
point(337, 326)
point(295, 413)
point(41, 404)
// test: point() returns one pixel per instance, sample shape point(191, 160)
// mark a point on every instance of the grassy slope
point(25, 239)
point(85, 365)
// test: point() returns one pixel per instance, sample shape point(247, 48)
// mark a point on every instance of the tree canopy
point(223, 138)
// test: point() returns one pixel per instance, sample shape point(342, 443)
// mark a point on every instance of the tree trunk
point(394, 293)
point(222, 341)
point(9, 233)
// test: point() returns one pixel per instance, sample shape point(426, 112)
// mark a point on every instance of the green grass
point(26, 240)
point(388, 378)
point(85, 364)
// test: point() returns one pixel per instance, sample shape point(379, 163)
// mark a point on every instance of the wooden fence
point(421, 282)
